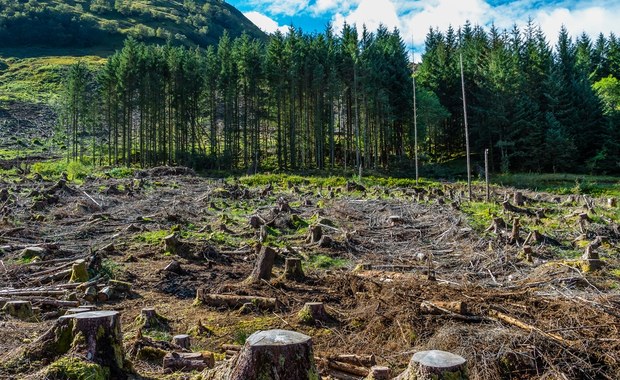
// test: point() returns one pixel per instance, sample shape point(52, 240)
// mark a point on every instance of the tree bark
point(292, 269)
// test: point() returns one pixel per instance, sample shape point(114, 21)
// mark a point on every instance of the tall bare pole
point(415, 120)
point(486, 172)
point(466, 127)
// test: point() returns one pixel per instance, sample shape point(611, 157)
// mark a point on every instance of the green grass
point(480, 214)
point(325, 262)
point(38, 79)
point(562, 183)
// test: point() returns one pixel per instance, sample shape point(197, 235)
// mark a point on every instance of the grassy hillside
point(106, 23)
point(39, 39)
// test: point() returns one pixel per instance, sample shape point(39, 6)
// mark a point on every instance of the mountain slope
point(106, 23)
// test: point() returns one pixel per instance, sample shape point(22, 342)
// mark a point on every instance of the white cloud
point(265, 23)
point(287, 7)
point(371, 13)
point(324, 6)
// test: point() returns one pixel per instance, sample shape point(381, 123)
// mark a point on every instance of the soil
point(394, 252)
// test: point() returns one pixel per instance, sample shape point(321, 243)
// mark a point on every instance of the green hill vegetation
point(106, 23)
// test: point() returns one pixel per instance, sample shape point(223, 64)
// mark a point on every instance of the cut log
point(120, 286)
point(358, 360)
point(348, 368)
point(292, 269)
point(395, 220)
point(379, 373)
point(90, 294)
point(182, 341)
point(19, 309)
point(275, 354)
point(435, 365)
point(188, 361)
point(263, 266)
point(105, 294)
point(232, 301)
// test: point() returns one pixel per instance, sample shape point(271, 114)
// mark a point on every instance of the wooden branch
point(526, 326)
point(348, 368)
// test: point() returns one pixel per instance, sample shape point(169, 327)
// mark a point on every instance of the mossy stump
point(150, 320)
point(313, 312)
point(275, 354)
point(79, 271)
point(435, 365)
point(19, 309)
point(94, 335)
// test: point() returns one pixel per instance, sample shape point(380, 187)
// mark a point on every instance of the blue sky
point(414, 18)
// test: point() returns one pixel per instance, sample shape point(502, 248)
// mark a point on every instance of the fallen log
point(348, 368)
point(358, 360)
point(233, 301)
point(188, 361)
point(433, 307)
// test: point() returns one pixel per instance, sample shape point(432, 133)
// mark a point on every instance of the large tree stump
point(518, 198)
point(275, 354)
point(94, 335)
point(435, 365)
point(292, 269)
point(19, 309)
point(263, 266)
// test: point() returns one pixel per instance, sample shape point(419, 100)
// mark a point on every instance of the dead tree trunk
point(436, 365)
point(275, 354)
point(264, 264)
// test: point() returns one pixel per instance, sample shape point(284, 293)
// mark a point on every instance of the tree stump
point(313, 312)
point(174, 267)
point(612, 202)
point(105, 294)
point(172, 244)
point(256, 221)
point(326, 241)
point(263, 266)
point(514, 236)
point(90, 294)
point(95, 335)
point(275, 354)
point(292, 269)
point(435, 365)
point(497, 225)
point(316, 232)
point(79, 272)
point(591, 258)
point(379, 373)
point(518, 198)
point(182, 341)
point(19, 309)
point(150, 320)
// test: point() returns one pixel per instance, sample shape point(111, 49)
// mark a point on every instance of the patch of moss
point(70, 368)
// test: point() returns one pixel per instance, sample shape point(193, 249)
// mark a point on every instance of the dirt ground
point(399, 260)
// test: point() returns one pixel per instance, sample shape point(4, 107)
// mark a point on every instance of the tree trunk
point(292, 269)
point(188, 361)
point(435, 365)
point(263, 266)
point(275, 354)
point(234, 301)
